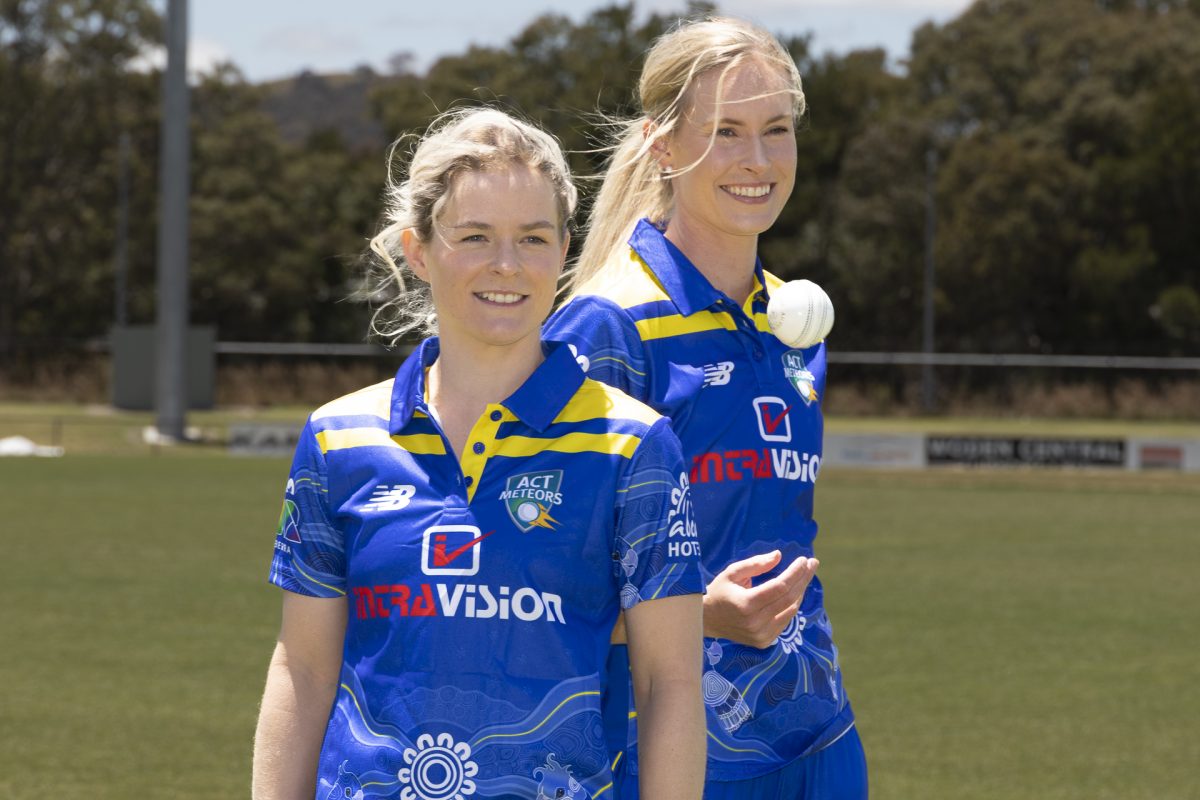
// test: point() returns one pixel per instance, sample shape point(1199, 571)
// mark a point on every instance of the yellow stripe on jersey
point(596, 400)
point(664, 581)
point(314, 580)
point(547, 718)
point(757, 751)
point(624, 364)
point(352, 437)
point(679, 325)
point(614, 444)
point(373, 401)
point(422, 444)
point(419, 443)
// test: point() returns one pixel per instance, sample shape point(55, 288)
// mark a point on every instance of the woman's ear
point(414, 253)
point(658, 144)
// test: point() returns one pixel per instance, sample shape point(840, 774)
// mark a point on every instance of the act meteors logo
point(799, 376)
point(529, 498)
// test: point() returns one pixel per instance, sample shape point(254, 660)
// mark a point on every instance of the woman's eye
point(780, 129)
point(728, 132)
point(534, 239)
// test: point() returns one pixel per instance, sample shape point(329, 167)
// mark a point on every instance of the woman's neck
point(726, 260)
point(461, 385)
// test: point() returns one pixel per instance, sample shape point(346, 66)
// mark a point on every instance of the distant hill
point(310, 104)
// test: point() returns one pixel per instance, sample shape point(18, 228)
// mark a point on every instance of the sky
point(270, 39)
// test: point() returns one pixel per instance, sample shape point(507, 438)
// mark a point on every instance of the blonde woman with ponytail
point(668, 303)
point(456, 543)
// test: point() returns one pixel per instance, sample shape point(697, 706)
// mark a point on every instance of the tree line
point(1058, 141)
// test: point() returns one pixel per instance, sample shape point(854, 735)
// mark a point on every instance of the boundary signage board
point(878, 451)
point(1023, 451)
point(1169, 454)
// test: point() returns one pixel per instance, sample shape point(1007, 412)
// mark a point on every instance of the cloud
point(311, 42)
point(772, 8)
point(203, 55)
point(936, 7)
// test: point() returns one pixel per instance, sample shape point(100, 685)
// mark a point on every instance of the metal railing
point(869, 357)
point(1016, 360)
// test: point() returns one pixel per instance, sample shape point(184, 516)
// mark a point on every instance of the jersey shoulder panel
point(371, 401)
point(598, 400)
point(362, 419)
point(627, 281)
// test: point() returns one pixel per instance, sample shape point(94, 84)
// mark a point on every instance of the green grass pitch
point(1003, 634)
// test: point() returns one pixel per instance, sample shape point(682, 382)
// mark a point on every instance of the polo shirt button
point(469, 480)
point(495, 416)
point(758, 354)
point(477, 448)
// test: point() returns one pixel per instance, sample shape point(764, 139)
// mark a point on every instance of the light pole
point(121, 257)
point(173, 191)
point(928, 380)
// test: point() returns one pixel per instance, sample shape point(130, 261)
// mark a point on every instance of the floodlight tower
point(928, 381)
point(173, 190)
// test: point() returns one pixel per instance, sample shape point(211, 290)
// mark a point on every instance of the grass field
point(101, 430)
point(1004, 634)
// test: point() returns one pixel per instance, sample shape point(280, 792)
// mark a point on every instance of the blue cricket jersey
point(481, 594)
point(747, 411)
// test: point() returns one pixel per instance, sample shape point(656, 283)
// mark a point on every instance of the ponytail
point(633, 188)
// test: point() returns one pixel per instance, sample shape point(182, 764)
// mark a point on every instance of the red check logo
point(773, 426)
point(770, 424)
point(441, 558)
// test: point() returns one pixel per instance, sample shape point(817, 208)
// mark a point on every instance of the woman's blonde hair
point(634, 186)
point(458, 141)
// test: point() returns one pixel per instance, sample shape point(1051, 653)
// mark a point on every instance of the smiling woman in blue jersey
point(669, 304)
point(456, 543)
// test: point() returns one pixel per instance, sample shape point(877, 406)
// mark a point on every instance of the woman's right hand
point(736, 609)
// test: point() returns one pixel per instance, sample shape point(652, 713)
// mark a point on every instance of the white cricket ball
point(527, 512)
point(800, 313)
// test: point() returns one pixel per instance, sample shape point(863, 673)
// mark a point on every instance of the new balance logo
point(718, 374)
point(390, 498)
point(584, 363)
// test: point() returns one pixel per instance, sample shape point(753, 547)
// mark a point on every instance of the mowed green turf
point(136, 626)
point(1019, 634)
point(1003, 634)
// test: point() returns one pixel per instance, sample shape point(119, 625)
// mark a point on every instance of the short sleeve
point(656, 544)
point(605, 342)
point(817, 367)
point(310, 555)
